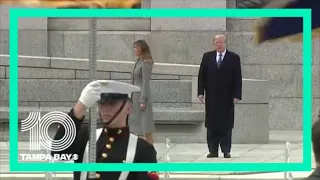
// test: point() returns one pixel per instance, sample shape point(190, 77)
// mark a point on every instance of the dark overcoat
point(220, 86)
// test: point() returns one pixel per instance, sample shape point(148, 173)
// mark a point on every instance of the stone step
point(181, 120)
point(161, 115)
point(69, 90)
point(165, 93)
point(183, 125)
point(38, 74)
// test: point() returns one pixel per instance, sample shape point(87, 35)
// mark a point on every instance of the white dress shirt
point(223, 54)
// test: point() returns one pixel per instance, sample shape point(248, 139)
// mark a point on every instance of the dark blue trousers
point(222, 139)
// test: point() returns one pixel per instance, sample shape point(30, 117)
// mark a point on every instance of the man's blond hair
point(220, 36)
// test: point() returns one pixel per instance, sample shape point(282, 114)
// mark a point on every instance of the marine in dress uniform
point(114, 141)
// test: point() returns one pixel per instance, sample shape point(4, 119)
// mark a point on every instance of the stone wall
point(175, 40)
point(171, 84)
point(54, 84)
point(281, 64)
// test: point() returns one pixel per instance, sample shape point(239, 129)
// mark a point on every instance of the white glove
point(90, 94)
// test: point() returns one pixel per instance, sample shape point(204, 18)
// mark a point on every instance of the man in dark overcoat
point(219, 87)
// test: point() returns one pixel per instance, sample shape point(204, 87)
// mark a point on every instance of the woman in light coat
point(141, 120)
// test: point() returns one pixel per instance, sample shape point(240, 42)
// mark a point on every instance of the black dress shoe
point(227, 155)
point(212, 155)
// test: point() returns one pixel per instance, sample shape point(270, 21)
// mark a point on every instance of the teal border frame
point(16, 13)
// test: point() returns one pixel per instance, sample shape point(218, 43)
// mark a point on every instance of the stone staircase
point(179, 123)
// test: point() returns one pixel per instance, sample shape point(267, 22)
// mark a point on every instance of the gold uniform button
point(108, 146)
point(97, 175)
point(119, 131)
point(111, 139)
point(104, 155)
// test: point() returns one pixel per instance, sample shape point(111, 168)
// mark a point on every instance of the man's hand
point(142, 106)
point(90, 94)
point(235, 100)
point(201, 98)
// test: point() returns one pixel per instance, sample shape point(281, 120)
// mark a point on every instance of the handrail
point(287, 175)
point(167, 157)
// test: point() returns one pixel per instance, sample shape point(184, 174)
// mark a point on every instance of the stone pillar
point(32, 34)
point(68, 37)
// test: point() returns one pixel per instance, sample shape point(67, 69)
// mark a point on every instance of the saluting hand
point(90, 94)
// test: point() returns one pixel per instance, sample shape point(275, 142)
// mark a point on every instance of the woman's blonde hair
point(145, 50)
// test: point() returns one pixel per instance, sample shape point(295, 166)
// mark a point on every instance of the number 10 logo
point(38, 128)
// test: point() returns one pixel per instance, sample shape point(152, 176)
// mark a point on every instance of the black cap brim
point(112, 97)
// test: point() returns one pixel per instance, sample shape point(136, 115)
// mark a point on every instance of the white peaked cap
point(111, 86)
